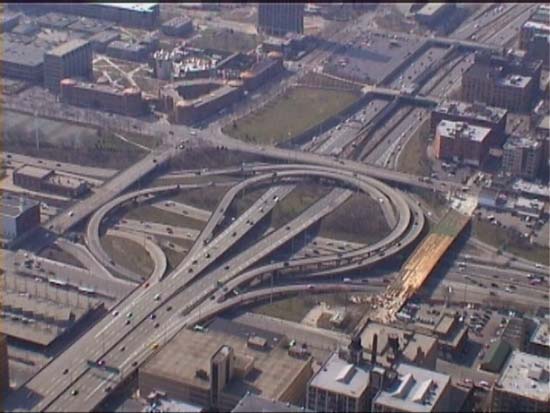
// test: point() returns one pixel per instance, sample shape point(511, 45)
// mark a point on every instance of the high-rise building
point(71, 59)
point(278, 19)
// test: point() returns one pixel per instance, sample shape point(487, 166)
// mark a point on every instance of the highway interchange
point(200, 287)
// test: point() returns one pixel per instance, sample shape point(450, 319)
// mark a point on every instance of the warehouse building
point(19, 215)
point(47, 180)
point(432, 14)
point(461, 142)
point(71, 59)
point(128, 102)
point(523, 385)
point(507, 82)
point(215, 369)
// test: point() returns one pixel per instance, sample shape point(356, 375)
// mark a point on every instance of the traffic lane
point(153, 228)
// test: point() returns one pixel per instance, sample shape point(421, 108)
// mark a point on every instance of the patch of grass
point(149, 213)
point(57, 254)
point(301, 198)
point(206, 198)
point(210, 158)
point(225, 40)
point(359, 219)
point(414, 159)
point(509, 240)
point(128, 254)
point(291, 114)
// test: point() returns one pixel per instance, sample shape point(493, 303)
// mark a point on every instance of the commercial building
point(215, 369)
point(535, 35)
point(523, 385)
point(529, 207)
point(432, 14)
point(263, 71)
point(178, 26)
point(19, 215)
point(496, 356)
point(522, 156)
point(136, 52)
point(192, 101)
point(515, 332)
point(47, 180)
point(395, 344)
point(452, 336)
point(414, 389)
point(461, 142)
point(128, 102)
point(101, 40)
point(531, 190)
point(252, 403)
point(4, 369)
point(277, 19)
point(475, 114)
point(21, 61)
point(508, 82)
point(340, 386)
point(71, 59)
point(9, 21)
point(539, 342)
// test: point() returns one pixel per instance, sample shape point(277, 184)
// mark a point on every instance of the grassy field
point(63, 142)
point(128, 254)
point(413, 159)
point(225, 40)
point(210, 158)
point(502, 238)
point(57, 254)
point(359, 219)
point(148, 213)
point(291, 114)
point(206, 198)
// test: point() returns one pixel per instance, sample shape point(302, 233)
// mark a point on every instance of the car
point(74, 392)
point(127, 322)
point(157, 297)
point(169, 308)
point(107, 389)
point(65, 371)
point(153, 316)
point(134, 363)
point(146, 285)
point(71, 213)
point(155, 346)
point(101, 363)
point(129, 315)
point(123, 348)
point(157, 324)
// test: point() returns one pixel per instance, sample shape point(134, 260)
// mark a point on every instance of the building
point(101, 40)
point(277, 19)
point(395, 344)
point(341, 385)
point(215, 369)
point(127, 102)
point(191, 101)
point(252, 403)
point(535, 35)
point(4, 369)
point(496, 356)
point(523, 385)
point(432, 14)
point(21, 61)
point(529, 207)
point(452, 336)
point(539, 342)
point(9, 21)
point(178, 26)
point(531, 190)
point(475, 114)
point(139, 15)
point(136, 52)
point(71, 59)
point(461, 142)
point(507, 82)
point(522, 156)
point(415, 389)
point(19, 215)
point(263, 71)
point(47, 180)
point(515, 332)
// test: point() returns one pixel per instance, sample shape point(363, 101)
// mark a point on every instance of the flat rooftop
point(139, 7)
point(541, 335)
point(415, 389)
point(11, 206)
point(34, 171)
point(339, 376)
point(462, 130)
point(65, 181)
point(252, 403)
point(514, 81)
point(474, 111)
point(431, 8)
point(516, 142)
point(21, 54)
point(191, 351)
point(67, 47)
point(531, 188)
point(526, 375)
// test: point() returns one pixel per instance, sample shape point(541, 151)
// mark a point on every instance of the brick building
point(128, 102)
point(461, 142)
point(47, 180)
point(504, 81)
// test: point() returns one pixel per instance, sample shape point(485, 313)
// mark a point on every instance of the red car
point(146, 285)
